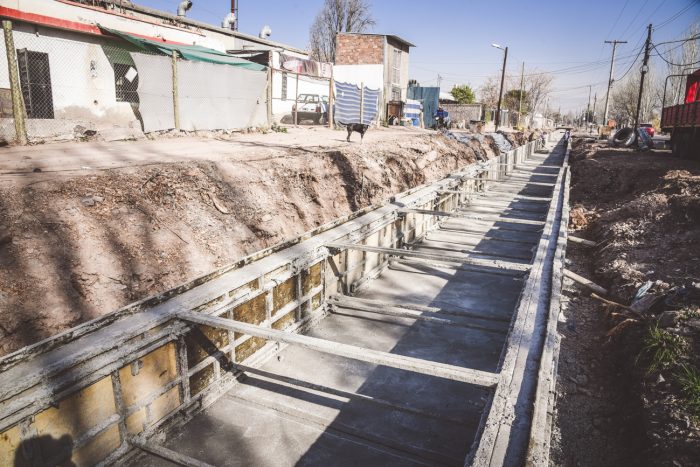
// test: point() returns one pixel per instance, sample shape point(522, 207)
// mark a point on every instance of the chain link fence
point(77, 86)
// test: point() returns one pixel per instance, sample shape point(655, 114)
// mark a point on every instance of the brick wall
point(352, 49)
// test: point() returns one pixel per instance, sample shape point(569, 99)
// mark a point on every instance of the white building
point(74, 74)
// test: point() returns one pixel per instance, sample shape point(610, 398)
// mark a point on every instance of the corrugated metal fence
point(347, 104)
point(429, 99)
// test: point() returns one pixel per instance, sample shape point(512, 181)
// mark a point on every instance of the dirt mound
point(643, 211)
point(72, 249)
point(643, 205)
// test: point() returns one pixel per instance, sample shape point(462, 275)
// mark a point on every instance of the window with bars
point(35, 81)
point(126, 83)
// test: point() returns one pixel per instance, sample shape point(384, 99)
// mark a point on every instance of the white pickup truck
point(311, 107)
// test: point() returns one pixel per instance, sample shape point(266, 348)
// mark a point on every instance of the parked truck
point(682, 121)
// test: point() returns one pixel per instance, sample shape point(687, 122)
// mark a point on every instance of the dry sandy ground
point(28, 164)
point(145, 216)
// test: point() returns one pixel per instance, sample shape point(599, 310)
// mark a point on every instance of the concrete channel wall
point(100, 388)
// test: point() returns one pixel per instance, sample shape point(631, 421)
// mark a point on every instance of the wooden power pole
point(645, 69)
point(610, 79)
point(520, 104)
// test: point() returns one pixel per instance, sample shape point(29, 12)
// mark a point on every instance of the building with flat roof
point(379, 61)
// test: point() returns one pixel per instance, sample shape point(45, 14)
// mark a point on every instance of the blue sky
point(453, 37)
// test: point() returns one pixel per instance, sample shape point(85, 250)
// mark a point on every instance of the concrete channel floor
point(309, 408)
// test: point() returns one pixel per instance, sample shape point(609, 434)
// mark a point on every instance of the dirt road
point(22, 165)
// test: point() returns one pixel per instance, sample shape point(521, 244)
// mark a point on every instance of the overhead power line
point(677, 15)
point(631, 65)
point(670, 63)
point(688, 39)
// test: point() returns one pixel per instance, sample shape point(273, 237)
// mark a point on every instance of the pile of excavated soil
point(643, 210)
point(645, 213)
point(72, 249)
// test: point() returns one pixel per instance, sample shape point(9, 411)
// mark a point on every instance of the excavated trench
point(419, 333)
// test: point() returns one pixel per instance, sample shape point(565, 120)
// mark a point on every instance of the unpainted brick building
point(375, 60)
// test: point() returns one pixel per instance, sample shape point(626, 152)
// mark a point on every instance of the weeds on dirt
point(278, 129)
point(690, 314)
point(663, 349)
point(689, 379)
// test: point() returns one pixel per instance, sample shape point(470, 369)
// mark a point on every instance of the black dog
point(358, 127)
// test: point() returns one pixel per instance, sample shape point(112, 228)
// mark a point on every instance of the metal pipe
point(183, 7)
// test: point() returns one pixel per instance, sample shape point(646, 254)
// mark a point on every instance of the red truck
point(683, 121)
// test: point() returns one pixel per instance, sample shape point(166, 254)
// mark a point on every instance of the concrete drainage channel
point(418, 332)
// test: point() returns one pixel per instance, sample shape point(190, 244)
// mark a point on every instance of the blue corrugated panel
point(429, 97)
point(412, 108)
point(347, 104)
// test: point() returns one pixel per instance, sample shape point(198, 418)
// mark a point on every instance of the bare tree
point(488, 92)
point(676, 57)
point(337, 16)
point(537, 86)
point(626, 93)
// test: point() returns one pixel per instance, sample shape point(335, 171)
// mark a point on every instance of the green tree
point(511, 100)
point(463, 94)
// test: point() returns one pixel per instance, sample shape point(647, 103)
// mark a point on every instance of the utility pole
point(439, 80)
point(588, 107)
point(610, 79)
point(645, 69)
point(520, 104)
point(500, 94)
point(595, 100)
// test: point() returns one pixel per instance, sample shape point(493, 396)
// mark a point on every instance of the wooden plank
point(417, 365)
point(485, 203)
point(534, 199)
point(506, 181)
point(478, 236)
point(339, 394)
point(585, 282)
point(581, 241)
point(534, 166)
point(422, 308)
point(347, 302)
point(531, 173)
point(476, 217)
point(431, 256)
point(168, 454)
point(458, 192)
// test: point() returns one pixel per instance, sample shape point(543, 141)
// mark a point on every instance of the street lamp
point(503, 77)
